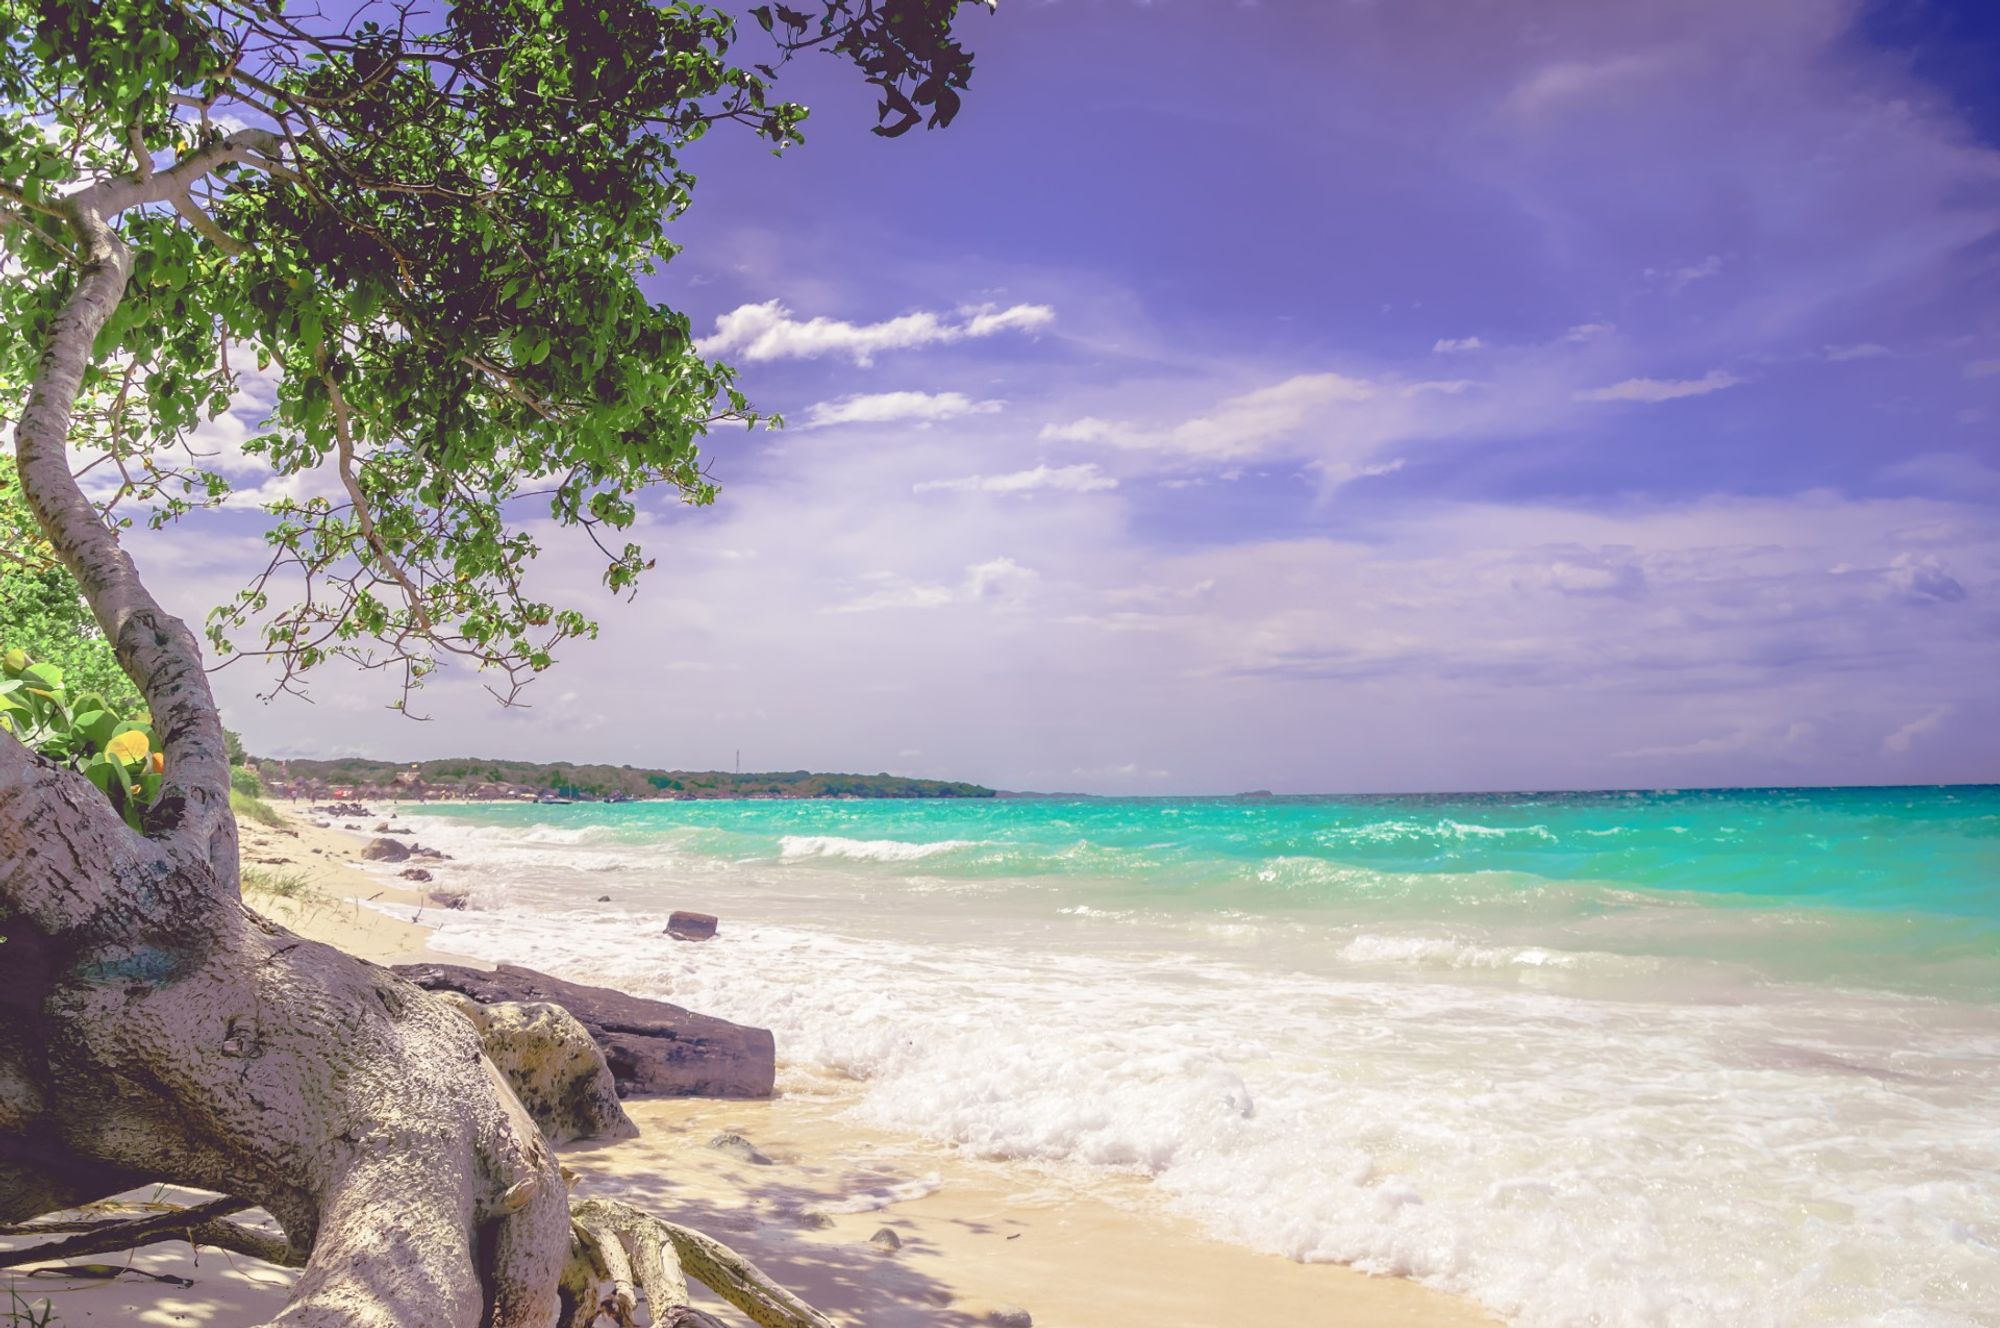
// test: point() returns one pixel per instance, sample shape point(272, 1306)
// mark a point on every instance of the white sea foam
point(1452, 952)
point(794, 847)
point(871, 1201)
point(1568, 1155)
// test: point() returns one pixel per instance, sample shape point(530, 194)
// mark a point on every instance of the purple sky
point(1418, 394)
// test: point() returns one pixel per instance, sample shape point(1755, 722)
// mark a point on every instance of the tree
point(430, 223)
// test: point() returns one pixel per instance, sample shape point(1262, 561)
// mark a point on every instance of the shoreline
point(978, 1240)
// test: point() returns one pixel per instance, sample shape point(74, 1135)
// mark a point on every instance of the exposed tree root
point(620, 1251)
point(617, 1255)
point(200, 1224)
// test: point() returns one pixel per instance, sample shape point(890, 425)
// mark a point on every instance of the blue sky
point(1326, 396)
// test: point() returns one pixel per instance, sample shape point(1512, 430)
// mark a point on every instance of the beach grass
point(248, 807)
point(285, 884)
point(21, 1312)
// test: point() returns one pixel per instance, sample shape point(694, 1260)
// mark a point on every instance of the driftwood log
point(654, 1049)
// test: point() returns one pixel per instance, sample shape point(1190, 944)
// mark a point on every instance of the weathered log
point(654, 1049)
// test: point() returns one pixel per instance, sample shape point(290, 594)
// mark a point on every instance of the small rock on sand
point(604, 899)
point(414, 874)
point(385, 850)
point(448, 898)
point(691, 926)
point(740, 1148)
point(812, 1219)
point(886, 1239)
point(1011, 1316)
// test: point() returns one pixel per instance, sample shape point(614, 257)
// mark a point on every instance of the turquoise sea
point(1666, 1057)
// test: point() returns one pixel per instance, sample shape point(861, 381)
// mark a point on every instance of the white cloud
point(887, 407)
point(1923, 578)
point(1860, 350)
point(1680, 278)
point(1084, 478)
point(1570, 80)
point(1449, 387)
point(768, 331)
point(1453, 345)
point(1000, 582)
point(1905, 737)
point(1583, 332)
point(1982, 369)
point(1346, 472)
point(1661, 389)
point(987, 319)
point(1238, 427)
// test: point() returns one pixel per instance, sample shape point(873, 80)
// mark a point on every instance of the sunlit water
point(1663, 1058)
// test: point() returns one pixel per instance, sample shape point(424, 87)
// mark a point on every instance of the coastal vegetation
point(482, 778)
point(425, 226)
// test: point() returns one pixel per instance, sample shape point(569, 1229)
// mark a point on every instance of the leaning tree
point(426, 223)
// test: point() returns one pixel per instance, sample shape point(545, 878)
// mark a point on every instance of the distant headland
point(481, 779)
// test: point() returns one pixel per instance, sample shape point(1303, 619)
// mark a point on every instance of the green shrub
point(113, 746)
point(244, 780)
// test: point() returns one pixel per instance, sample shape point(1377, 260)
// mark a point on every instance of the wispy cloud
point(1761, 739)
point(1906, 737)
point(889, 407)
point(1982, 369)
point(768, 331)
point(1554, 84)
point(1083, 478)
point(1238, 427)
point(1456, 345)
point(1661, 389)
point(1680, 278)
point(1923, 578)
point(999, 582)
point(1860, 350)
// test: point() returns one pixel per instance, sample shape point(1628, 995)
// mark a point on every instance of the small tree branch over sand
point(430, 222)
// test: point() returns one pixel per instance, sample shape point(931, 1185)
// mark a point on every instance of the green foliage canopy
point(430, 223)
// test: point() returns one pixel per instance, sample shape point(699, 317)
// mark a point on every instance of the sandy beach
point(974, 1242)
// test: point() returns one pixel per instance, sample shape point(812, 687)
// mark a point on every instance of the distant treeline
point(466, 777)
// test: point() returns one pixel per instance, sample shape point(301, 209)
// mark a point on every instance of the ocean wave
point(1479, 1138)
point(1400, 831)
point(1450, 952)
point(793, 848)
